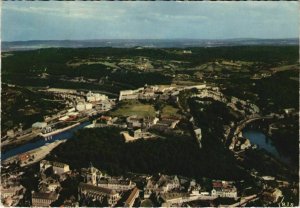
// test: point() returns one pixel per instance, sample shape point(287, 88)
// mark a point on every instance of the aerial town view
point(150, 104)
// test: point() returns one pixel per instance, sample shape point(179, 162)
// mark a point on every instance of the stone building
point(96, 193)
point(58, 167)
point(224, 189)
point(43, 199)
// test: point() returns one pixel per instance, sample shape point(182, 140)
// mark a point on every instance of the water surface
point(263, 142)
point(41, 142)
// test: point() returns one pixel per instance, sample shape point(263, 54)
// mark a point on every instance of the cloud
point(65, 10)
point(96, 20)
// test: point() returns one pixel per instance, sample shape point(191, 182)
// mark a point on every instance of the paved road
point(243, 201)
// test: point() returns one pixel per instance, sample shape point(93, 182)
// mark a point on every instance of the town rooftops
point(173, 195)
point(106, 118)
point(115, 181)
point(89, 187)
point(217, 184)
point(164, 179)
point(223, 185)
point(49, 196)
point(59, 164)
point(39, 125)
point(55, 164)
point(132, 196)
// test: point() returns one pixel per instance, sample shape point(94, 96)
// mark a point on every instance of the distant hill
point(146, 43)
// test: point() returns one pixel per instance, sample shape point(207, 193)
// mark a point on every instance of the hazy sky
point(153, 20)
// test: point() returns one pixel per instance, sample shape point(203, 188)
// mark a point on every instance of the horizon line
point(157, 39)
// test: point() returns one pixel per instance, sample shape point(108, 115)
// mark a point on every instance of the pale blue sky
point(148, 20)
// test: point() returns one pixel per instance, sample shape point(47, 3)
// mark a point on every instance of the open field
point(129, 108)
point(169, 110)
point(284, 68)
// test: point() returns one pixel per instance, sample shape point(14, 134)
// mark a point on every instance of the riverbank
point(32, 137)
point(18, 141)
point(280, 138)
point(262, 140)
point(261, 162)
point(33, 156)
point(41, 142)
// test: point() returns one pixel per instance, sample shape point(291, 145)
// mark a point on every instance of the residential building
point(137, 134)
point(134, 122)
point(166, 123)
point(58, 167)
point(94, 97)
point(39, 125)
point(10, 133)
point(167, 183)
point(151, 187)
point(10, 191)
point(272, 195)
point(43, 199)
point(149, 121)
point(142, 134)
point(104, 105)
point(128, 95)
point(224, 189)
point(163, 185)
point(49, 184)
point(147, 94)
point(82, 106)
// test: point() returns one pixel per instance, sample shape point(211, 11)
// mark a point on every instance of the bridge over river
point(242, 124)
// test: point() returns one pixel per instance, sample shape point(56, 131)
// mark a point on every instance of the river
point(263, 142)
point(41, 142)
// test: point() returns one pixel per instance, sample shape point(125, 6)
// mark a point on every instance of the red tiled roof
point(217, 184)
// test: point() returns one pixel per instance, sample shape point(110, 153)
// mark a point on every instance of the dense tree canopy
point(105, 148)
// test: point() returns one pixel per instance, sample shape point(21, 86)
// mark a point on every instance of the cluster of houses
point(92, 103)
point(14, 132)
point(224, 189)
point(120, 191)
point(168, 190)
point(163, 184)
point(156, 92)
point(136, 127)
point(211, 92)
point(96, 186)
point(11, 189)
point(106, 189)
point(240, 143)
point(49, 186)
point(174, 190)
point(236, 104)
point(139, 127)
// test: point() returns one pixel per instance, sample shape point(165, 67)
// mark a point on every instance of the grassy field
point(169, 110)
point(130, 108)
